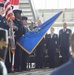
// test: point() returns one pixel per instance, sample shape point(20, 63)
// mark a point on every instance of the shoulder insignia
point(67, 32)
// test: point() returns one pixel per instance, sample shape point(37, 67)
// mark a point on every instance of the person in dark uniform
point(25, 24)
point(3, 23)
point(8, 61)
point(39, 52)
point(18, 34)
point(68, 67)
point(25, 55)
point(52, 46)
point(39, 55)
point(64, 35)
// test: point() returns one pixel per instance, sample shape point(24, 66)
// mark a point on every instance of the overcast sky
point(53, 4)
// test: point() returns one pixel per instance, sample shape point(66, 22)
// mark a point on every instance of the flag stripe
point(6, 4)
point(14, 2)
point(1, 1)
point(8, 10)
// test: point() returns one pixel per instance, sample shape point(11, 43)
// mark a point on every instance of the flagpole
point(12, 40)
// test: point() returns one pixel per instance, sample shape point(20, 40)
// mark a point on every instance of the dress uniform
point(64, 36)
point(67, 68)
point(39, 54)
point(18, 34)
point(25, 55)
point(3, 25)
point(52, 46)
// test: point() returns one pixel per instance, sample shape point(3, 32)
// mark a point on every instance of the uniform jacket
point(51, 43)
point(64, 37)
point(21, 31)
point(66, 69)
point(3, 23)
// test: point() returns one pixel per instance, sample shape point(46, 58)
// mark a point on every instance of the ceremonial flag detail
point(14, 2)
point(8, 10)
point(31, 39)
point(1, 1)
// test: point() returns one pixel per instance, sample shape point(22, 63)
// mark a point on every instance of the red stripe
point(8, 3)
point(2, 1)
point(8, 10)
point(14, 2)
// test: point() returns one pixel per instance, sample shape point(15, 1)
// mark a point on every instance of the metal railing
point(35, 16)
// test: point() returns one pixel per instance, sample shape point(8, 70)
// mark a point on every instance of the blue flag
point(31, 39)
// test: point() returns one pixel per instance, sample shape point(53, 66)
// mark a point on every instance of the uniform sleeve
point(46, 41)
point(59, 38)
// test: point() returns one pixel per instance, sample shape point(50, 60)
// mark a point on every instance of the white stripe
point(6, 2)
point(15, 7)
point(9, 6)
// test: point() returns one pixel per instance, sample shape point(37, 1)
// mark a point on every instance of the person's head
point(72, 43)
point(64, 25)
point(24, 20)
point(52, 30)
point(1, 8)
point(17, 13)
point(38, 22)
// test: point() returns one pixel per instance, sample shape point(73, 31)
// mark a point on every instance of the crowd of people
point(51, 43)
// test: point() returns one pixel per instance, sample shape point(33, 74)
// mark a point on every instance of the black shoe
point(37, 67)
point(9, 71)
point(16, 70)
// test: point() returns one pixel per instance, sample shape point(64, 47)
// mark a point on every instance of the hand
point(44, 44)
point(14, 27)
point(57, 50)
point(10, 37)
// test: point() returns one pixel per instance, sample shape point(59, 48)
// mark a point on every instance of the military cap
point(1, 5)
point(24, 18)
point(17, 11)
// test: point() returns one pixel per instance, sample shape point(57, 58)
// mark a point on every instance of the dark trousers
point(52, 55)
point(25, 57)
point(18, 58)
point(8, 62)
point(39, 57)
point(64, 51)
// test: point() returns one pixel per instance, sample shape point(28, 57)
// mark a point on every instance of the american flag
point(8, 10)
point(1, 1)
point(14, 2)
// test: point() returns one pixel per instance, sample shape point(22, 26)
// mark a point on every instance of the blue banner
point(31, 39)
